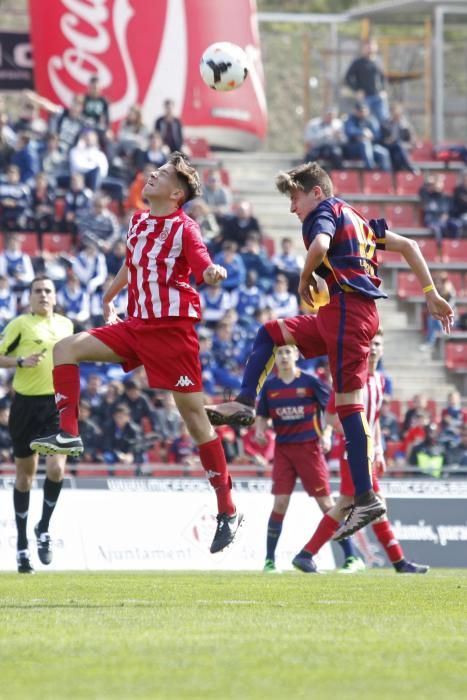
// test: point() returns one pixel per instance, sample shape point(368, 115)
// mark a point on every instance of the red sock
point(66, 386)
point(323, 533)
point(212, 458)
point(386, 537)
point(277, 517)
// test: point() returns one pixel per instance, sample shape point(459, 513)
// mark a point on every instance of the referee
point(26, 344)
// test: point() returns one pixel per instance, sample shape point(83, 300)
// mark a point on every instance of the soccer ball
point(223, 66)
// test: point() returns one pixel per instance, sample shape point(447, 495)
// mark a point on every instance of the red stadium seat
point(269, 245)
point(396, 408)
point(455, 356)
point(199, 147)
point(401, 215)
point(377, 182)
point(59, 208)
point(429, 248)
point(30, 243)
point(370, 210)
point(346, 181)
point(451, 180)
point(423, 151)
point(224, 174)
point(408, 183)
point(389, 256)
point(454, 250)
point(57, 242)
point(393, 448)
point(457, 280)
point(408, 286)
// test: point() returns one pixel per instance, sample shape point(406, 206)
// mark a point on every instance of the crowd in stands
point(72, 176)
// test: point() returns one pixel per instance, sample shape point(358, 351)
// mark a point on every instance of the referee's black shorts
point(31, 417)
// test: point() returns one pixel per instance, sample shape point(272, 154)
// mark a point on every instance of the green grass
point(242, 635)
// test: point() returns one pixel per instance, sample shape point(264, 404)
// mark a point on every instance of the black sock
point(21, 506)
point(305, 554)
point(51, 493)
point(399, 564)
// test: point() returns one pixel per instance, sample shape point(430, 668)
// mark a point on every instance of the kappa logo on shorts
point(183, 380)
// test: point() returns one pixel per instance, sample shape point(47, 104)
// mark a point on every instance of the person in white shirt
point(88, 159)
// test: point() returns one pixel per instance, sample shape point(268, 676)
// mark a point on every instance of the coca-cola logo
point(112, 39)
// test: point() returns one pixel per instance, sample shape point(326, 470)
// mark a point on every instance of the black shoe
point(44, 546)
point(23, 561)
point(231, 413)
point(60, 444)
point(304, 564)
point(365, 509)
point(410, 567)
point(227, 526)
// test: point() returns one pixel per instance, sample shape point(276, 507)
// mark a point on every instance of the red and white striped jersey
point(162, 252)
point(373, 393)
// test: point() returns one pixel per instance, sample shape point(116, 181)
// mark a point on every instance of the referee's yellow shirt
point(30, 333)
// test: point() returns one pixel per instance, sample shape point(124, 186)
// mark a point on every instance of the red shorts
point(342, 330)
point(302, 459)
point(168, 349)
point(347, 488)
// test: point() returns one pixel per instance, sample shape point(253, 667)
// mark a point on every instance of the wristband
point(428, 288)
point(19, 361)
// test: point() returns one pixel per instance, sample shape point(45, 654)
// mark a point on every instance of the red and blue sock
point(274, 532)
point(358, 444)
point(260, 362)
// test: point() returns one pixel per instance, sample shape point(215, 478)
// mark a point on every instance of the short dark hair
point(186, 175)
point(40, 278)
point(304, 177)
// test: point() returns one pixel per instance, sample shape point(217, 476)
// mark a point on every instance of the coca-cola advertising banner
point(145, 52)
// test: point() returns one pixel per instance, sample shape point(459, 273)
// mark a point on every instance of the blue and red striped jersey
point(295, 408)
point(350, 263)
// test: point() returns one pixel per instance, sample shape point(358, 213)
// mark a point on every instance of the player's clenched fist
point(214, 274)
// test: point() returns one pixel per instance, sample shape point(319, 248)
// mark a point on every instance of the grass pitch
point(232, 635)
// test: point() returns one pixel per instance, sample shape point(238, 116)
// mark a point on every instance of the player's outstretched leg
point(60, 444)
point(366, 508)
point(227, 526)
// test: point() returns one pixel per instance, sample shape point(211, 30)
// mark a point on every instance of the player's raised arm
point(118, 283)
point(409, 249)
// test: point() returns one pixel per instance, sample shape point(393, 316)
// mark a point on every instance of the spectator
point(53, 161)
point(110, 398)
point(363, 134)
point(92, 435)
point(418, 405)
point(215, 301)
point(170, 127)
point(324, 137)
point(240, 224)
point(154, 153)
point(140, 408)
point(6, 454)
point(8, 303)
point(89, 160)
point(90, 267)
point(14, 201)
point(456, 454)
point(92, 392)
point(217, 195)
point(120, 303)
point(248, 297)
point(54, 265)
point(42, 204)
point(416, 433)
point(116, 257)
point(259, 453)
point(390, 428)
point(134, 200)
point(123, 440)
point(453, 417)
point(281, 299)
point(25, 157)
point(228, 349)
point(183, 449)
point(254, 259)
point(435, 205)
point(70, 124)
point(433, 327)
point(457, 223)
point(207, 361)
point(367, 79)
point(429, 455)
point(288, 263)
point(74, 302)
point(100, 226)
point(169, 420)
point(233, 263)
point(96, 106)
point(29, 119)
point(397, 137)
point(202, 214)
point(6, 149)
point(78, 200)
point(15, 264)
point(133, 134)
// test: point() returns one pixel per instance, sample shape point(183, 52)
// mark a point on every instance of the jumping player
point(372, 397)
point(164, 246)
point(295, 402)
point(341, 247)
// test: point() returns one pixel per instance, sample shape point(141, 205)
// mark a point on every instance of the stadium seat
point(59, 208)
point(393, 448)
point(408, 183)
point(457, 280)
point(224, 174)
point(423, 151)
point(429, 248)
point(395, 406)
point(432, 408)
point(451, 180)
point(455, 356)
point(401, 215)
point(389, 256)
point(30, 243)
point(269, 245)
point(199, 147)
point(377, 182)
point(454, 250)
point(371, 210)
point(346, 181)
point(57, 242)
point(408, 286)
